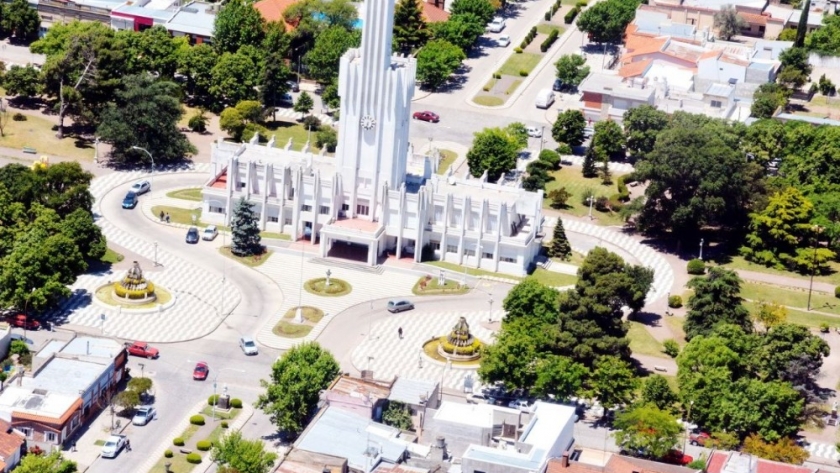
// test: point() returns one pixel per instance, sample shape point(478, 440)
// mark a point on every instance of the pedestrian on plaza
point(73, 446)
point(167, 217)
point(399, 332)
point(127, 444)
point(161, 215)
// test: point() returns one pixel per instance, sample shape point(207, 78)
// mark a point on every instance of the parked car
point(676, 457)
point(143, 415)
point(201, 371)
point(192, 235)
point(130, 200)
point(478, 398)
point(522, 404)
point(141, 187)
point(699, 438)
point(534, 131)
point(287, 98)
point(545, 98)
point(503, 41)
point(588, 132)
point(22, 321)
point(210, 232)
point(497, 25)
point(142, 349)
point(113, 445)
point(248, 346)
point(426, 116)
point(293, 85)
point(558, 85)
point(399, 306)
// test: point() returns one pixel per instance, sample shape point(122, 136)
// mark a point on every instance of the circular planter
point(337, 287)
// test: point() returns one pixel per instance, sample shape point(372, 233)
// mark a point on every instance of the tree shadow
point(649, 319)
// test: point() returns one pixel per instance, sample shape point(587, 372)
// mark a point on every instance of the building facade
point(376, 196)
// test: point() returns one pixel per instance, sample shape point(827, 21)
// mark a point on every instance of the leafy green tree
point(511, 358)
point(155, 51)
point(410, 30)
point(769, 314)
point(322, 61)
point(437, 61)
point(612, 382)
point(482, 9)
point(716, 299)
point(234, 78)
point(826, 39)
point(641, 127)
point(48, 463)
point(494, 150)
point(145, 114)
point(648, 428)
point(398, 415)
point(559, 376)
point(23, 81)
point(589, 167)
point(462, 30)
point(297, 378)
point(19, 348)
point(531, 299)
point(62, 187)
point(790, 352)
point(232, 121)
point(329, 96)
point(569, 127)
point(140, 385)
point(559, 246)
point(571, 69)
point(327, 138)
point(198, 121)
point(80, 227)
point(773, 409)
point(312, 17)
point(728, 22)
point(242, 455)
point(274, 82)
point(304, 103)
point(764, 140)
point(609, 139)
point(21, 21)
point(767, 98)
point(196, 63)
point(277, 40)
point(605, 22)
point(795, 68)
point(251, 110)
point(127, 400)
point(237, 24)
point(695, 180)
point(785, 450)
point(245, 230)
point(657, 392)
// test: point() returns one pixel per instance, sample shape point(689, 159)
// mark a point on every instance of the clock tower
point(376, 90)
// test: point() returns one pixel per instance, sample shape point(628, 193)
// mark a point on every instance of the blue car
point(130, 200)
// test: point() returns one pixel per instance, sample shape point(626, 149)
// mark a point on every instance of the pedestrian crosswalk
point(823, 450)
point(297, 116)
point(663, 277)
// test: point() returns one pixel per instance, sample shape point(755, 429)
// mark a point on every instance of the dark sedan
point(427, 116)
point(192, 235)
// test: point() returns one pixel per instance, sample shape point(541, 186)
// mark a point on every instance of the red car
point(201, 371)
point(142, 349)
point(23, 321)
point(698, 438)
point(426, 116)
point(676, 457)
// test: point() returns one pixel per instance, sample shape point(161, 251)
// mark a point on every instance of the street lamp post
point(156, 261)
point(701, 249)
point(26, 313)
point(591, 200)
point(490, 313)
point(150, 157)
point(142, 366)
point(817, 230)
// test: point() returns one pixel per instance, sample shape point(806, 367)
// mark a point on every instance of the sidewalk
point(96, 429)
point(784, 281)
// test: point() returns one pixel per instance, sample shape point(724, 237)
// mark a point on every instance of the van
point(545, 98)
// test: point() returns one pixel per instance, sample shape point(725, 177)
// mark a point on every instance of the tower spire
point(378, 32)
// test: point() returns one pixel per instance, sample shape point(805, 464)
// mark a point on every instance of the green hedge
point(675, 302)
point(178, 442)
point(224, 424)
point(564, 149)
point(203, 445)
point(548, 15)
point(197, 420)
point(472, 349)
point(523, 73)
point(696, 267)
point(121, 291)
point(837, 292)
point(236, 403)
point(168, 454)
point(570, 16)
point(581, 4)
point(552, 37)
point(193, 458)
point(213, 400)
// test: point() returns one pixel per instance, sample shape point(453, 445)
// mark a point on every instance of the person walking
point(127, 444)
point(400, 332)
point(161, 215)
point(167, 217)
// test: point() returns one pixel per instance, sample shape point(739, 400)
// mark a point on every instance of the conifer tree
point(245, 232)
point(589, 163)
point(410, 31)
point(560, 247)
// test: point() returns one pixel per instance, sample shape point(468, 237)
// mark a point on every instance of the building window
point(241, 185)
point(345, 207)
point(451, 248)
point(287, 221)
point(761, 29)
point(362, 209)
point(27, 432)
point(52, 437)
point(306, 208)
point(507, 259)
point(487, 255)
point(292, 193)
point(435, 245)
point(273, 218)
point(216, 210)
point(469, 252)
point(324, 210)
point(716, 104)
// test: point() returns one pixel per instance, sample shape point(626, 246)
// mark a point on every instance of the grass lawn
point(296, 131)
point(488, 100)
point(520, 62)
point(111, 256)
point(432, 287)
point(576, 259)
point(311, 314)
point(208, 413)
point(545, 28)
point(447, 158)
point(512, 87)
point(642, 342)
point(38, 133)
point(289, 330)
point(193, 193)
point(790, 297)
point(179, 460)
point(178, 214)
point(548, 278)
point(252, 261)
point(574, 182)
point(823, 101)
point(676, 326)
point(275, 236)
point(738, 262)
point(672, 381)
point(337, 287)
point(801, 317)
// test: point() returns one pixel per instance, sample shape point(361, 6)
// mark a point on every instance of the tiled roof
point(643, 44)
point(753, 18)
point(272, 10)
point(718, 464)
point(734, 60)
point(555, 465)
point(710, 54)
point(10, 441)
point(623, 464)
point(434, 14)
point(634, 68)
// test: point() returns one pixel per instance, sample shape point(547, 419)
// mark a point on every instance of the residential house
point(12, 446)
point(607, 96)
point(300, 461)
point(736, 462)
point(613, 464)
point(364, 397)
point(434, 11)
point(272, 10)
point(143, 14)
point(417, 394)
point(196, 21)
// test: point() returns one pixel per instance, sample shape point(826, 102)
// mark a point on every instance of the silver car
point(399, 306)
point(113, 446)
point(209, 233)
point(143, 415)
point(248, 346)
point(141, 187)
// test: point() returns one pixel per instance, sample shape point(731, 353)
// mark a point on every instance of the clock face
point(368, 122)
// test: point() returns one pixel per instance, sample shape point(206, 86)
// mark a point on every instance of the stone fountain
point(459, 344)
point(134, 288)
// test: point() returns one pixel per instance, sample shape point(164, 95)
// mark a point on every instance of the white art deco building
point(376, 196)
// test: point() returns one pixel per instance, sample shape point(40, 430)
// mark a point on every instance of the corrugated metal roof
point(412, 391)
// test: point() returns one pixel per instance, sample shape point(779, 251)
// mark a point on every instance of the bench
point(660, 368)
point(186, 450)
point(29, 150)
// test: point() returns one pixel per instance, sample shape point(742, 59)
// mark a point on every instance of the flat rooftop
point(143, 12)
point(61, 375)
point(614, 85)
point(474, 415)
point(412, 391)
point(195, 18)
point(94, 347)
point(34, 402)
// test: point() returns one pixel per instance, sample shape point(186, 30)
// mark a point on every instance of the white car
point(113, 445)
point(497, 25)
point(210, 232)
point(248, 346)
point(503, 41)
point(143, 415)
point(534, 131)
point(141, 187)
point(521, 404)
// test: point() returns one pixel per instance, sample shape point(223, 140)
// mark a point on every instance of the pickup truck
point(142, 349)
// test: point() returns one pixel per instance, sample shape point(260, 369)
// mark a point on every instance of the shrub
point(524, 44)
point(581, 4)
point(602, 203)
point(551, 157)
point(675, 302)
point(168, 453)
point(178, 442)
point(497, 75)
point(824, 327)
point(19, 117)
point(236, 403)
point(213, 400)
point(623, 193)
point(548, 15)
point(486, 88)
point(193, 458)
point(552, 37)
point(570, 16)
point(224, 424)
point(523, 73)
point(203, 445)
point(696, 267)
point(533, 33)
point(198, 122)
point(671, 347)
point(197, 419)
point(253, 128)
point(564, 148)
point(837, 292)
point(517, 50)
point(587, 194)
point(615, 203)
point(327, 138)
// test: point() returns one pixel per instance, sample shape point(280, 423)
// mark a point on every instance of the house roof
point(734, 462)
point(196, 18)
point(358, 387)
point(10, 441)
point(639, 44)
point(272, 10)
point(624, 464)
point(434, 14)
point(555, 465)
point(730, 59)
point(412, 391)
point(753, 18)
point(634, 68)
